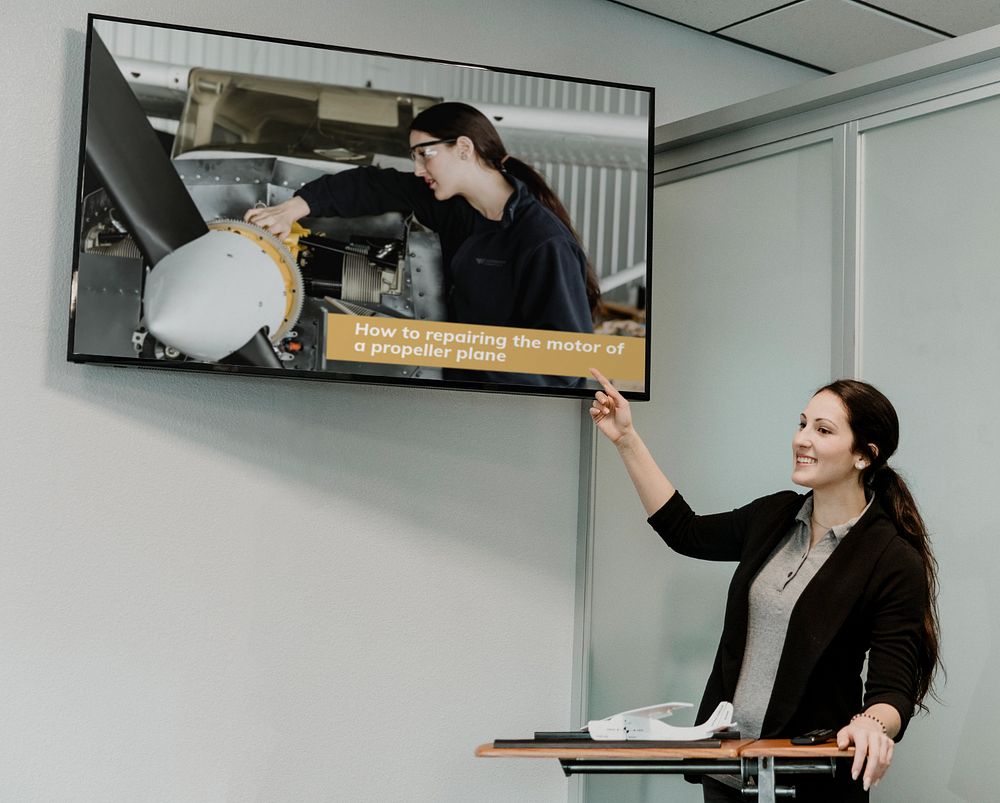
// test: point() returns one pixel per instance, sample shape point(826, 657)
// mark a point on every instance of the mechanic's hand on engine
point(278, 219)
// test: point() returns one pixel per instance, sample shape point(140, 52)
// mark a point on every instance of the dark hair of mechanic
point(874, 422)
point(451, 120)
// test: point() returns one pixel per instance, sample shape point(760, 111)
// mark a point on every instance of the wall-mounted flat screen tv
point(291, 209)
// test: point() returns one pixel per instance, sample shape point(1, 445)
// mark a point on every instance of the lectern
point(764, 768)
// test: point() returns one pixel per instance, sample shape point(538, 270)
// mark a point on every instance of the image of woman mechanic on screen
point(821, 581)
point(511, 256)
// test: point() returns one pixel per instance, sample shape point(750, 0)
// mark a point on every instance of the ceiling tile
point(954, 17)
point(706, 15)
point(832, 34)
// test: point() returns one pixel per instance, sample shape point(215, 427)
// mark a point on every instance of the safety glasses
point(423, 151)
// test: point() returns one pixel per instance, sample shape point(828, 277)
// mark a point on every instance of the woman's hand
point(278, 219)
point(611, 414)
point(610, 410)
point(872, 749)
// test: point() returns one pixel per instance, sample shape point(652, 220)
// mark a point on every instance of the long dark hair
point(451, 120)
point(875, 425)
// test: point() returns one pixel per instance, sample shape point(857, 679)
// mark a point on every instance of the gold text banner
point(483, 348)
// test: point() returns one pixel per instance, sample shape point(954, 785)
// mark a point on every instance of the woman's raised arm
point(613, 417)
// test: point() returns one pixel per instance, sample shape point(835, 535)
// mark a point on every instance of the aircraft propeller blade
point(135, 170)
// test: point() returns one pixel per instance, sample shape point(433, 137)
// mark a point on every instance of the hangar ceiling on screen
point(830, 35)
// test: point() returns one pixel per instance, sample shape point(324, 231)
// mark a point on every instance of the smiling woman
point(825, 454)
point(823, 581)
point(511, 255)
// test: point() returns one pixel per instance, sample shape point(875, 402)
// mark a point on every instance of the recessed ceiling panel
point(706, 15)
point(832, 34)
point(954, 16)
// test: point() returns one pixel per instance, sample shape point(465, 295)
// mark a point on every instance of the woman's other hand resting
point(870, 734)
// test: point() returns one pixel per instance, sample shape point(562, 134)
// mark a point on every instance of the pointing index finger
point(610, 389)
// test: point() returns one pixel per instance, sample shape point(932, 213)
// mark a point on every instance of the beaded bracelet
point(874, 719)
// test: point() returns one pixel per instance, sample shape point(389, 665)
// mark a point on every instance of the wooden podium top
point(764, 758)
point(782, 748)
point(736, 748)
point(728, 749)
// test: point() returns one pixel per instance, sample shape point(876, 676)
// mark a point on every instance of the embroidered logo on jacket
point(491, 263)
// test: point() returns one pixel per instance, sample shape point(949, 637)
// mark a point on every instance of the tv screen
point(292, 209)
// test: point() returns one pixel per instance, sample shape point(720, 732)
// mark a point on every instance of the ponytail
point(538, 187)
point(875, 427)
point(895, 498)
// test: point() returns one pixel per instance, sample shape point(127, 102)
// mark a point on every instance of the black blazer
point(869, 597)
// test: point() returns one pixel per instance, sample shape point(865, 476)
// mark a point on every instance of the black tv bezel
point(330, 376)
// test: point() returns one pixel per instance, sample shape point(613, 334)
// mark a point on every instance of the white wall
point(238, 589)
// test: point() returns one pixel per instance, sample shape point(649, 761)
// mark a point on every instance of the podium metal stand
point(756, 763)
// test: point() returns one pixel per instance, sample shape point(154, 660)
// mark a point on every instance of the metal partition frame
point(837, 108)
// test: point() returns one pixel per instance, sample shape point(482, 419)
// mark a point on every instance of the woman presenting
point(511, 257)
point(822, 581)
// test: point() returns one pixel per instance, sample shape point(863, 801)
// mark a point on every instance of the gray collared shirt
point(773, 593)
